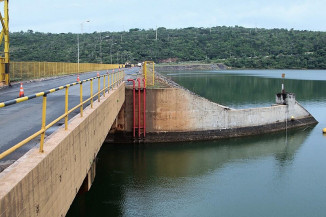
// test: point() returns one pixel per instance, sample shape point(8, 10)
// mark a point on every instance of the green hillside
point(235, 46)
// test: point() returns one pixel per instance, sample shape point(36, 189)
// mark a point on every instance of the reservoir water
point(280, 174)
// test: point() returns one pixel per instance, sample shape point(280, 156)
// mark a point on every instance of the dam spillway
point(174, 113)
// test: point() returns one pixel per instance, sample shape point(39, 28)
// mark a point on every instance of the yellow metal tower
point(4, 60)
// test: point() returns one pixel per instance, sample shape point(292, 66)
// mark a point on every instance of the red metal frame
point(134, 107)
point(134, 102)
point(144, 118)
point(138, 80)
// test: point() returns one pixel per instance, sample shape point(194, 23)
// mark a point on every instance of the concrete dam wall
point(176, 114)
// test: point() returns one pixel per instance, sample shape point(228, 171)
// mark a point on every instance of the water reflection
point(240, 91)
point(131, 179)
point(267, 175)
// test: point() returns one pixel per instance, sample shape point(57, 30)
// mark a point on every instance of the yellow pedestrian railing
point(115, 78)
point(30, 70)
point(149, 73)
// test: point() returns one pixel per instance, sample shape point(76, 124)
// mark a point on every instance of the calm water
point(267, 175)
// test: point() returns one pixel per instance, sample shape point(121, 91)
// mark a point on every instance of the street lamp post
point(81, 30)
point(101, 48)
point(111, 50)
point(111, 53)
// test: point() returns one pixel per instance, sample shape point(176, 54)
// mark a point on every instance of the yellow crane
point(4, 60)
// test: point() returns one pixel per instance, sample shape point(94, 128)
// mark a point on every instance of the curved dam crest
point(177, 114)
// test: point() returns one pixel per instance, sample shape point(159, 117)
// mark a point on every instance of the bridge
point(53, 128)
point(46, 179)
point(55, 124)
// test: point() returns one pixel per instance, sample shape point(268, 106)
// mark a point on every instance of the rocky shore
point(186, 67)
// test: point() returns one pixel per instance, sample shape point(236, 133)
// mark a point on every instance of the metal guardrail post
point(81, 99)
point(66, 108)
point(116, 79)
point(108, 82)
point(99, 89)
point(112, 76)
point(153, 75)
point(91, 93)
point(104, 86)
point(113, 80)
point(43, 123)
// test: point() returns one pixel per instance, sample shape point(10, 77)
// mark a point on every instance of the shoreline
point(213, 66)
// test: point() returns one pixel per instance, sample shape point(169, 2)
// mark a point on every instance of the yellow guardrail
point(116, 79)
point(30, 70)
point(149, 72)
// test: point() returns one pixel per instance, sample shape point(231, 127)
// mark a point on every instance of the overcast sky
point(116, 15)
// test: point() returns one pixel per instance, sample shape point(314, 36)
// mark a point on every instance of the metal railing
point(149, 72)
point(31, 70)
point(116, 79)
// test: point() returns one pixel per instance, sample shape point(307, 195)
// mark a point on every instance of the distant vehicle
point(127, 65)
point(139, 64)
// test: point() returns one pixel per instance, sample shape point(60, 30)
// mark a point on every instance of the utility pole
point(111, 51)
point(156, 34)
point(101, 47)
point(81, 29)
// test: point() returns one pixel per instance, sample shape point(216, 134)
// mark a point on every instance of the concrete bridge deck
point(45, 184)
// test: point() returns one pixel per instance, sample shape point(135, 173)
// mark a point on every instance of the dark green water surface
point(268, 175)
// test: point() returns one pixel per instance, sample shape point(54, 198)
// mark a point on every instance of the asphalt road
point(21, 120)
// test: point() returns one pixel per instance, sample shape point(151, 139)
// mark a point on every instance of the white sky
point(116, 15)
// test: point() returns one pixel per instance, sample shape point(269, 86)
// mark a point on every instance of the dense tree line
point(235, 46)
